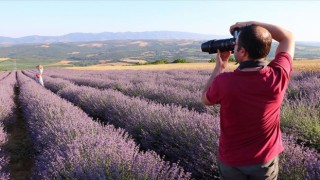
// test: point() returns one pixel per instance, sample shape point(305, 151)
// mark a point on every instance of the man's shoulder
point(283, 54)
point(282, 57)
point(282, 60)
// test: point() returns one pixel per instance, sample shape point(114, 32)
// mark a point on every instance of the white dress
point(39, 77)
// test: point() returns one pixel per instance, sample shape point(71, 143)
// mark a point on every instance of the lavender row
point(6, 112)
point(7, 93)
point(3, 75)
point(70, 145)
point(156, 92)
point(190, 80)
point(133, 75)
point(175, 132)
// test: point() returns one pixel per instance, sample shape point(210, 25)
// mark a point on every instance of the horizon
point(57, 18)
point(115, 32)
point(131, 32)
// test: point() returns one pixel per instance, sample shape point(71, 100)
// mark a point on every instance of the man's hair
point(256, 40)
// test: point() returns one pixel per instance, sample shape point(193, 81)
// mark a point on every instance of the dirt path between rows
point(19, 145)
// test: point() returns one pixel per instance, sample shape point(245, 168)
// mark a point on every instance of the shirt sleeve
point(283, 60)
point(213, 94)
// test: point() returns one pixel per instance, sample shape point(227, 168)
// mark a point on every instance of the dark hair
point(256, 40)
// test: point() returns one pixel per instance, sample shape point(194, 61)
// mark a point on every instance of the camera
point(212, 46)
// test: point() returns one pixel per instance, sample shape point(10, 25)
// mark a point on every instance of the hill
point(111, 51)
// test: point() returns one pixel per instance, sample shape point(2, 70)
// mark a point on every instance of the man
point(250, 99)
point(38, 78)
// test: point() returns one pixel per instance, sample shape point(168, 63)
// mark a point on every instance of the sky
point(20, 18)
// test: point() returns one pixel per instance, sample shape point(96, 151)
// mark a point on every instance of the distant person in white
point(38, 78)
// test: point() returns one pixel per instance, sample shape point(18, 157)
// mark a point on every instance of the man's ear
point(243, 52)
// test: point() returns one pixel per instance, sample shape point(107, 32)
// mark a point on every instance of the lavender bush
point(70, 145)
point(6, 96)
point(304, 86)
point(298, 162)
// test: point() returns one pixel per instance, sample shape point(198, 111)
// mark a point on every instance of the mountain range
point(87, 37)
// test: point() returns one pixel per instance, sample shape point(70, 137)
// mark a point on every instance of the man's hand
point(222, 59)
point(241, 25)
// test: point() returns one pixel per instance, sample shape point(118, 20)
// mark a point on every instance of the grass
point(302, 120)
point(306, 65)
point(20, 64)
point(298, 65)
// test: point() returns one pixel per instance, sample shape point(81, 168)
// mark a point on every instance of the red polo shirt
point(250, 111)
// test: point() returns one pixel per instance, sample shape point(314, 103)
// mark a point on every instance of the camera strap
point(251, 64)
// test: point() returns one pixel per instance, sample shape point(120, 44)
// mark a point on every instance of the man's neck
point(252, 65)
point(251, 69)
point(248, 59)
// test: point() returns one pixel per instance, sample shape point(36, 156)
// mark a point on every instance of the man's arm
point(283, 36)
point(221, 64)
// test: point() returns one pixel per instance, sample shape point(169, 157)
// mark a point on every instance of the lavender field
point(126, 124)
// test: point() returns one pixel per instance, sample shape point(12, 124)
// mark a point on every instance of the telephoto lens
point(223, 45)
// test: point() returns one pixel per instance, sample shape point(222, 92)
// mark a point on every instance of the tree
point(180, 60)
point(231, 59)
point(212, 60)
